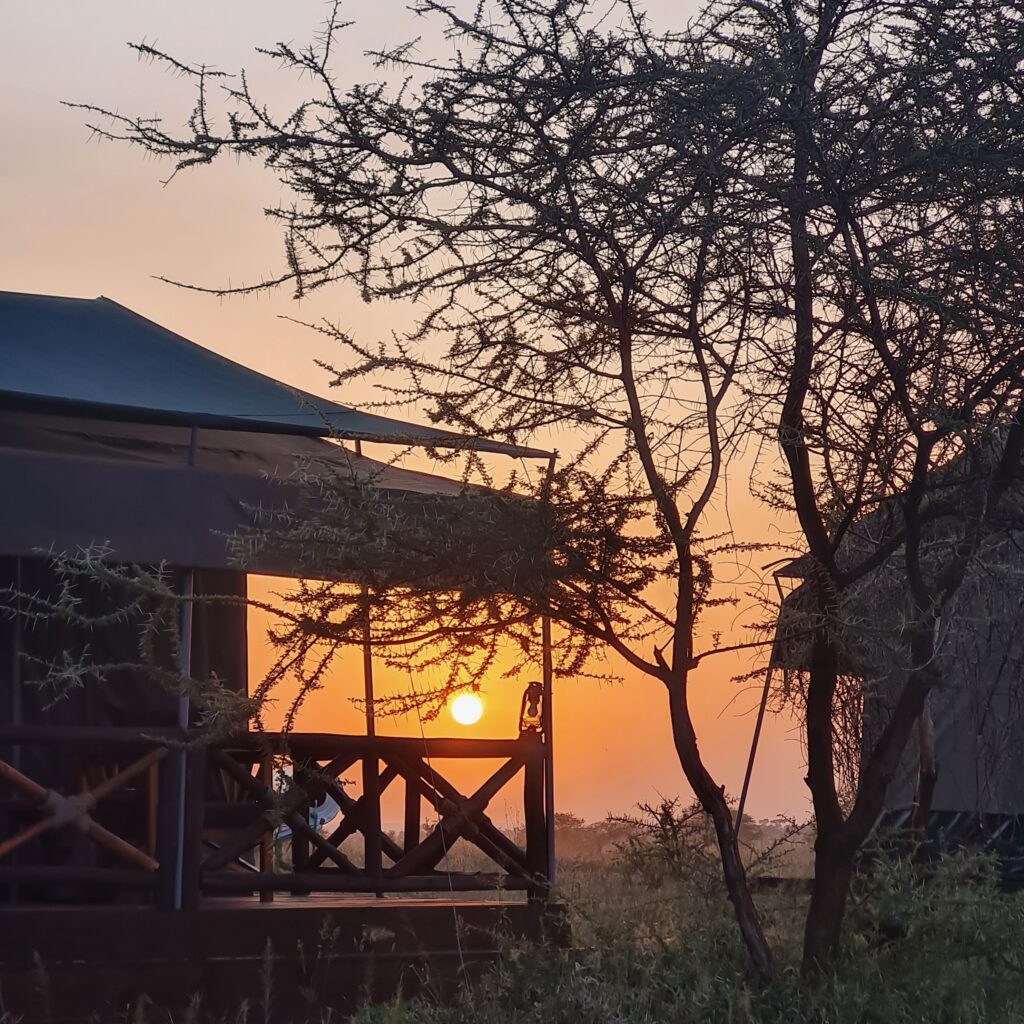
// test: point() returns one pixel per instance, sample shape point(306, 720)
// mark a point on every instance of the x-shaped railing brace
point(61, 811)
point(273, 805)
point(461, 817)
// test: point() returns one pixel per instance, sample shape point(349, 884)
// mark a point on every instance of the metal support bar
point(753, 750)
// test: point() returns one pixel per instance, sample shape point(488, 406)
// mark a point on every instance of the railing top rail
point(299, 744)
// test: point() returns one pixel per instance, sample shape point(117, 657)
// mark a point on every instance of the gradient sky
point(82, 218)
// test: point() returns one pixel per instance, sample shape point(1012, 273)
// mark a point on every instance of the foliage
point(665, 841)
point(88, 593)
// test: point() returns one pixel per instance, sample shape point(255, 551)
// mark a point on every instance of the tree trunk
point(927, 773)
point(833, 857)
point(839, 839)
point(833, 871)
point(712, 799)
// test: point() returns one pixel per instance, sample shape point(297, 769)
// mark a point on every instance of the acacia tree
point(891, 159)
point(575, 266)
point(813, 206)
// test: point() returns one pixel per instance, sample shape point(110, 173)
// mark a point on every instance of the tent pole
point(547, 722)
point(184, 710)
point(753, 750)
point(16, 710)
point(371, 764)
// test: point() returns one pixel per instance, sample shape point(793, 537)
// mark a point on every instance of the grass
point(654, 942)
point(945, 946)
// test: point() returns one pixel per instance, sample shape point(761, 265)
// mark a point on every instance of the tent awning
point(94, 357)
point(77, 482)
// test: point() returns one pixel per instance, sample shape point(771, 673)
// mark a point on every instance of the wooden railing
point(218, 831)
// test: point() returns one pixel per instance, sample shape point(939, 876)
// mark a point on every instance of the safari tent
point(976, 713)
point(120, 436)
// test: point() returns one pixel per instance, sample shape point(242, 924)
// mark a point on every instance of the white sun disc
point(467, 709)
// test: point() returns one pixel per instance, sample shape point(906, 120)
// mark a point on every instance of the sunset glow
point(71, 212)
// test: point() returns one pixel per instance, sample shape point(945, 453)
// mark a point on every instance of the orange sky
point(86, 219)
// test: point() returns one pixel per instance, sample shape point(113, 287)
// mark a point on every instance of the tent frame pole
point(184, 708)
point(371, 764)
point(755, 739)
point(547, 668)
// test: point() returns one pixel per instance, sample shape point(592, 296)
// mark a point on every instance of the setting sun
point(467, 709)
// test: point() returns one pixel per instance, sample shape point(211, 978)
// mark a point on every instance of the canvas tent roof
point(94, 357)
point(77, 482)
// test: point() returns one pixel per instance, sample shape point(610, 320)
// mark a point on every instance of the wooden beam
point(355, 817)
point(314, 746)
point(91, 735)
point(330, 881)
point(413, 817)
point(233, 847)
point(534, 817)
point(319, 746)
point(192, 835)
point(72, 874)
point(125, 775)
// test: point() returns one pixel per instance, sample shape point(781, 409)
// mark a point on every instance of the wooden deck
point(158, 869)
point(297, 953)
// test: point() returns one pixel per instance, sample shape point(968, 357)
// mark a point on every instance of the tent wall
point(977, 709)
point(978, 720)
point(126, 696)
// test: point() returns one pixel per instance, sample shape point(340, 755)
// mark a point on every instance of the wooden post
point(372, 853)
point(302, 775)
point(184, 711)
point(267, 839)
point(16, 627)
point(192, 836)
point(546, 711)
point(372, 861)
point(16, 709)
point(372, 857)
point(536, 825)
point(152, 803)
point(169, 850)
point(411, 833)
point(549, 764)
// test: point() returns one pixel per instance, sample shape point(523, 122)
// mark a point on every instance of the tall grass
point(933, 945)
point(654, 942)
